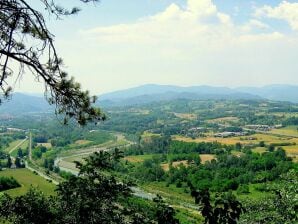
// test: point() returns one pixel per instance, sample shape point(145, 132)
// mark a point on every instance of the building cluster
point(227, 134)
point(262, 127)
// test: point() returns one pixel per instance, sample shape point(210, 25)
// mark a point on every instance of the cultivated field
point(289, 131)
point(18, 143)
point(186, 116)
point(27, 179)
point(47, 145)
point(292, 150)
point(223, 120)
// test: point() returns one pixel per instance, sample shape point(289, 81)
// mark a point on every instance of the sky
point(118, 44)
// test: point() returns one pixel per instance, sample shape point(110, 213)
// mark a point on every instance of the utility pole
point(30, 146)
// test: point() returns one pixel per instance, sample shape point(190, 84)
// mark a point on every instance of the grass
point(138, 158)
point(259, 150)
point(82, 142)
point(166, 166)
point(223, 120)
point(252, 139)
point(23, 147)
point(174, 195)
point(292, 151)
point(289, 131)
point(47, 145)
point(27, 179)
point(148, 134)
point(15, 143)
point(206, 157)
point(186, 116)
point(254, 194)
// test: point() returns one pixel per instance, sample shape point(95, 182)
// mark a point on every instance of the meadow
point(27, 179)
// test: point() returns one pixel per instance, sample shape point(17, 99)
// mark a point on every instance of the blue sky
point(119, 44)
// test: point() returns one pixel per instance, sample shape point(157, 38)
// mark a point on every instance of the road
point(40, 173)
point(18, 145)
point(26, 163)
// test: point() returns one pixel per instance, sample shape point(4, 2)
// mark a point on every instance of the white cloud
point(198, 23)
point(196, 44)
point(285, 11)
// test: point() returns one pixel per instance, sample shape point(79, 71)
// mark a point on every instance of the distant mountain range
point(152, 93)
point(22, 103)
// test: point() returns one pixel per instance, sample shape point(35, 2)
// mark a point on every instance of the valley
point(240, 146)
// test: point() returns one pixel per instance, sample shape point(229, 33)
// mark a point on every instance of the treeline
point(165, 145)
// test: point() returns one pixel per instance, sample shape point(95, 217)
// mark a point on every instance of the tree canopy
point(26, 45)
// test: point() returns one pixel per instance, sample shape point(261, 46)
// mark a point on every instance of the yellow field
point(223, 120)
point(137, 159)
point(292, 151)
point(290, 131)
point(186, 116)
point(149, 134)
point(206, 157)
point(82, 142)
point(252, 139)
point(166, 166)
point(47, 145)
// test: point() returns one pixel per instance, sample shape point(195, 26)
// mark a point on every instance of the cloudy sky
point(120, 44)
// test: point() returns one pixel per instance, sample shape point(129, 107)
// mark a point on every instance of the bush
point(7, 183)
point(243, 189)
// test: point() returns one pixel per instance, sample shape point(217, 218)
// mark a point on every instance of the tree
point(238, 146)
point(94, 196)
point(262, 144)
point(20, 153)
point(33, 207)
point(17, 162)
point(164, 213)
point(271, 148)
point(9, 162)
point(280, 207)
point(226, 209)
point(26, 44)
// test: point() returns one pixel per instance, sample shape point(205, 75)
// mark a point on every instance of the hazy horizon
point(117, 45)
point(147, 84)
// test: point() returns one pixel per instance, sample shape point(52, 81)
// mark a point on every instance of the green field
point(138, 158)
point(27, 179)
point(289, 131)
point(15, 143)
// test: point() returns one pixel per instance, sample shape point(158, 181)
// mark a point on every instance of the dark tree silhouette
point(94, 196)
point(226, 208)
point(26, 44)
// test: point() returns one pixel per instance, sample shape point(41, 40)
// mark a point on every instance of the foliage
point(8, 183)
point(282, 207)
point(95, 196)
point(27, 44)
point(226, 208)
point(164, 213)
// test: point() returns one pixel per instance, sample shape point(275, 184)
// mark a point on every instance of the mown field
point(20, 143)
point(255, 139)
point(289, 131)
point(27, 179)
point(165, 166)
